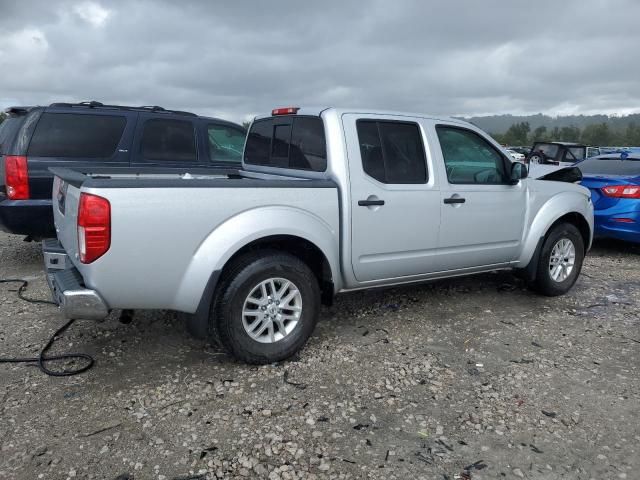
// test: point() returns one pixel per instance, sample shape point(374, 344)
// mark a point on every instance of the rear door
point(395, 202)
point(482, 213)
point(81, 140)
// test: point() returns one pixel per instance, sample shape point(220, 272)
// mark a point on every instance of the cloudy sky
point(235, 58)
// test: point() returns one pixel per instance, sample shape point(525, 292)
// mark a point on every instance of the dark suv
point(113, 137)
point(560, 153)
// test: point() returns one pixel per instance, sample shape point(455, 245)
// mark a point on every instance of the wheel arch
point(289, 229)
point(573, 218)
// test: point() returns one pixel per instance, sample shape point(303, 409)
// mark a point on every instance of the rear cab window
point(291, 142)
point(76, 135)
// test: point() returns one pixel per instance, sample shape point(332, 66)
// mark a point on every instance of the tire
point(241, 298)
point(558, 242)
point(535, 158)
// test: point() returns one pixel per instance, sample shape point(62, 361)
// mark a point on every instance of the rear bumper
point(67, 287)
point(27, 217)
point(606, 225)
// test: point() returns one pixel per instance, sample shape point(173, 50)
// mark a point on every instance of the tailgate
point(65, 198)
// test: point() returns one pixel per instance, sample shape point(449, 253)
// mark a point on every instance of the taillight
point(285, 111)
point(621, 191)
point(94, 227)
point(16, 176)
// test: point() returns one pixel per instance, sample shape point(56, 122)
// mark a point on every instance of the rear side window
point(75, 135)
point(288, 142)
point(392, 152)
point(169, 140)
point(8, 129)
point(225, 143)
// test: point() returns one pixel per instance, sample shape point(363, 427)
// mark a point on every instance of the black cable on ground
point(41, 359)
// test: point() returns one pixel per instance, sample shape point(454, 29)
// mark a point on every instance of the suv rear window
point(288, 142)
point(76, 135)
point(169, 140)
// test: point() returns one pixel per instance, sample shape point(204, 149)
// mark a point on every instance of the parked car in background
point(522, 150)
point(614, 181)
point(92, 135)
point(328, 201)
point(560, 153)
point(517, 156)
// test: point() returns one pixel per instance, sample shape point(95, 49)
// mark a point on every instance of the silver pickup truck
point(327, 201)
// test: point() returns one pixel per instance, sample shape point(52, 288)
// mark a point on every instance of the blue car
point(614, 181)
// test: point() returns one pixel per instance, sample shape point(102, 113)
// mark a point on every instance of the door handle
point(451, 200)
point(370, 203)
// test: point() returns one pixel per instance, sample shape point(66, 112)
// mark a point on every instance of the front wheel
point(268, 307)
point(560, 260)
point(536, 158)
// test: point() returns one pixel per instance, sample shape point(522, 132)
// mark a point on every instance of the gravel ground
point(473, 378)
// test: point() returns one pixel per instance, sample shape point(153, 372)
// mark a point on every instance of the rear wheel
point(267, 308)
point(560, 260)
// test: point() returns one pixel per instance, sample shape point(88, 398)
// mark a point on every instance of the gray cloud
point(234, 59)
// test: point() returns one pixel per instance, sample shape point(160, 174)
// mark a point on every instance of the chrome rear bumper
point(67, 287)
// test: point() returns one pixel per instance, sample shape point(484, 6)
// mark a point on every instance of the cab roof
point(318, 111)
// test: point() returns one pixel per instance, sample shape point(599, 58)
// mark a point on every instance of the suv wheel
point(560, 260)
point(268, 307)
point(536, 158)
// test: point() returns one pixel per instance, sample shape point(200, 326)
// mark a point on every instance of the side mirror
point(518, 172)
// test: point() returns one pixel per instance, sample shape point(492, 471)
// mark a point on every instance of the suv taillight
point(16, 177)
point(94, 227)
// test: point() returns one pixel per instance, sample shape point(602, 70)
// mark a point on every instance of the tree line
point(597, 134)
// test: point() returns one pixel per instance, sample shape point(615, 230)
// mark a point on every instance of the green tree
point(631, 136)
point(570, 134)
point(597, 134)
point(517, 134)
point(498, 137)
point(539, 133)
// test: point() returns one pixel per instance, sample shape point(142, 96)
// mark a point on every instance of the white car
point(518, 157)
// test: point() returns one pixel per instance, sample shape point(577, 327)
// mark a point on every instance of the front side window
point(469, 158)
point(76, 135)
point(225, 143)
point(169, 140)
point(287, 142)
point(392, 152)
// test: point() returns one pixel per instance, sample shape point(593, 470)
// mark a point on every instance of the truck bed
point(166, 229)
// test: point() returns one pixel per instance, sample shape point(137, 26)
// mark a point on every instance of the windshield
point(610, 166)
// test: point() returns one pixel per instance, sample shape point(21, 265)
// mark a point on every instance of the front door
point(395, 204)
point(483, 214)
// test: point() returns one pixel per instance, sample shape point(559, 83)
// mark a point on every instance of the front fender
point(556, 207)
point(246, 227)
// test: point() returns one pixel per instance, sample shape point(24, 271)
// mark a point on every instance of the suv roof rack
point(99, 105)
point(17, 110)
